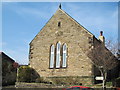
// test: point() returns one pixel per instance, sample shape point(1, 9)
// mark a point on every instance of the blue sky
point(21, 21)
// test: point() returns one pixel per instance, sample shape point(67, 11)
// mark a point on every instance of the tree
point(118, 51)
point(112, 46)
point(102, 58)
point(118, 54)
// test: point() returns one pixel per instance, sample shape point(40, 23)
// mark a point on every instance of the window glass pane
point(64, 64)
point(52, 48)
point(64, 47)
point(58, 46)
point(58, 56)
point(52, 57)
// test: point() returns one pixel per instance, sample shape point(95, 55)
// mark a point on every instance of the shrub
point(26, 74)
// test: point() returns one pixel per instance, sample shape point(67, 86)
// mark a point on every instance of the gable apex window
point(52, 56)
point(64, 61)
point(58, 55)
point(59, 24)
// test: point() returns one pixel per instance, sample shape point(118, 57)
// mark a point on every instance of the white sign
point(99, 78)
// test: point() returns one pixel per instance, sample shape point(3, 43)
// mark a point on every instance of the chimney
point(101, 37)
point(101, 33)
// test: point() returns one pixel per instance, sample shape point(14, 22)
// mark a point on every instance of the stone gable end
point(62, 28)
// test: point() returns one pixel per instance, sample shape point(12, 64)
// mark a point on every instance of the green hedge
point(26, 74)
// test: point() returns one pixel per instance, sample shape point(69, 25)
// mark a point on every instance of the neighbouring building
point(9, 69)
point(60, 50)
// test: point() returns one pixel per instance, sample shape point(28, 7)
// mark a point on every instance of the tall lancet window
point(52, 57)
point(64, 64)
point(58, 55)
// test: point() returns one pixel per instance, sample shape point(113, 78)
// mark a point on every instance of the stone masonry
point(77, 39)
point(75, 36)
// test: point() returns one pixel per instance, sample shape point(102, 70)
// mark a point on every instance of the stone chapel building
point(59, 49)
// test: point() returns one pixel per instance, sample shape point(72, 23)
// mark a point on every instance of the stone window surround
point(61, 52)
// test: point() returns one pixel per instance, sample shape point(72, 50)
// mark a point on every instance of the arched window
point(52, 57)
point(58, 55)
point(64, 63)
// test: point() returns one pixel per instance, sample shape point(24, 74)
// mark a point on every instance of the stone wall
point(8, 71)
point(78, 41)
point(72, 80)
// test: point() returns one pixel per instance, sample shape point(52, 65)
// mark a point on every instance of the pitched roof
point(4, 55)
point(0, 52)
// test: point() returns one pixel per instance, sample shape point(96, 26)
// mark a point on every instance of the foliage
point(112, 46)
point(118, 54)
point(26, 74)
point(109, 84)
point(102, 58)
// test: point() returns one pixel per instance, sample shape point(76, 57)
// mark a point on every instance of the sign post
point(98, 78)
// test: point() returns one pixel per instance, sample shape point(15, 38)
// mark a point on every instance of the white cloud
point(96, 19)
point(20, 55)
point(23, 11)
